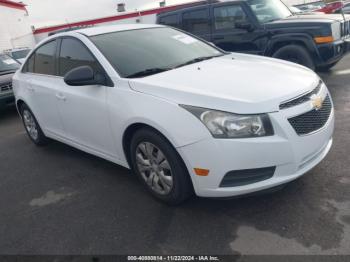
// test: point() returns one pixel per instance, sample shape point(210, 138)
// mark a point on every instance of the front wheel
point(159, 167)
point(296, 54)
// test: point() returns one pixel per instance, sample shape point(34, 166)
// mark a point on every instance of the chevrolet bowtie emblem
point(317, 102)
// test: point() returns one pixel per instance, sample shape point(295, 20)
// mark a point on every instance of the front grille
point(5, 88)
point(313, 120)
point(302, 99)
point(345, 29)
point(247, 176)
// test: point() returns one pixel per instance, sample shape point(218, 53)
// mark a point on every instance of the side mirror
point(245, 26)
point(84, 76)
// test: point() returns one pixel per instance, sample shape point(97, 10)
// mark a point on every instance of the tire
point(155, 160)
point(326, 68)
point(32, 127)
point(296, 54)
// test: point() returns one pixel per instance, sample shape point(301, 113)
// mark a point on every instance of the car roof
point(114, 28)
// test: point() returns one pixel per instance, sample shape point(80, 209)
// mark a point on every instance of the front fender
point(180, 127)
point(292, 38)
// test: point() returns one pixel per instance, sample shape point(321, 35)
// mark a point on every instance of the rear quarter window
point(29, 67)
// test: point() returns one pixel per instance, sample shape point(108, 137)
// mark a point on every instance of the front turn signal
point(201, 172)
point(324, 39)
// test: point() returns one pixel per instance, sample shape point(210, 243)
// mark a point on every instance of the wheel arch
point(19, 104)
point(292, 39)
point(133, 128)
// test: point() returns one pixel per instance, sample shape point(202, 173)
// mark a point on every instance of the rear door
point(228, 32)
point(40, 82)
point(83, 109)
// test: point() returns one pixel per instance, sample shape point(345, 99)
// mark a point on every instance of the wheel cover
point(30, 124)
point(154, 168)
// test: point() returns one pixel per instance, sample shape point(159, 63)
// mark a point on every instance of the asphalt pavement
point(58, 200)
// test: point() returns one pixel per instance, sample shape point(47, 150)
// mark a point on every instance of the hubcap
point(154, 168)
point(30, 124)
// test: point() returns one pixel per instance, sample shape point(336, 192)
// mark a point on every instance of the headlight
point(228, 125)
point(336, 31)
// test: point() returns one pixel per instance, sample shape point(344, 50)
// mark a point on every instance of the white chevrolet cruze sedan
point(182, 114)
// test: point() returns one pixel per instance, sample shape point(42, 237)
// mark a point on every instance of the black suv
point(266, 27)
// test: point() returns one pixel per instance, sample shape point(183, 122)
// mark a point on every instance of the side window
point(170, 20)
point(74, 54)
point(226, 17)
point(44, 59)
point(196, 21)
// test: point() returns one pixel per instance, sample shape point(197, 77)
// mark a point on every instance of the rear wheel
point(32, 127)
point(159, 167)
point(296, 54)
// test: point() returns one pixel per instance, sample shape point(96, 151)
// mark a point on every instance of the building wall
point(15, 29)
point(145, 19)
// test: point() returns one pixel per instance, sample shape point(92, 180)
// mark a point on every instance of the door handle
point(30, 85)
point(60, 97)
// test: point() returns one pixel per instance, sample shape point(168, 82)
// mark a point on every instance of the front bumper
point(332, 53)
point(291, 154)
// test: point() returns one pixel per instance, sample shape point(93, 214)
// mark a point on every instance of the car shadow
point(8, 113)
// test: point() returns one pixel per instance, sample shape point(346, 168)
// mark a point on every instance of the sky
point(52, 12)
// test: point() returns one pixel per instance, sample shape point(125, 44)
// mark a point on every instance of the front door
point(83, 109)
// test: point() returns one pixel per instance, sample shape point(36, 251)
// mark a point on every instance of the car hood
point(236, 83)
point(311, 18)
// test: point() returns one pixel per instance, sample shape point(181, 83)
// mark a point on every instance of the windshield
point(269, 10)
point(143, 52)
point(20, 54)
point(7, 64)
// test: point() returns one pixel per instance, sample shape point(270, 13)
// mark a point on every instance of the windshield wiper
point(152, 71)
point(148, 72)
point(197, 60)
